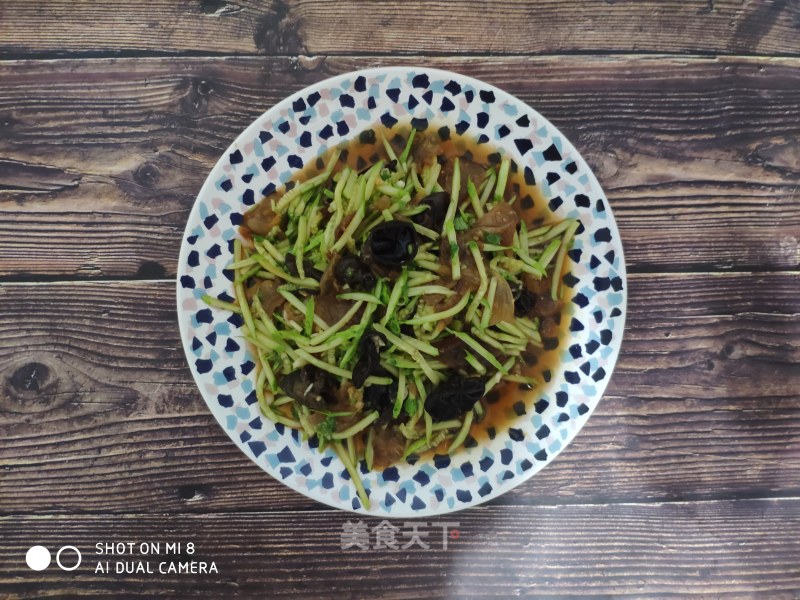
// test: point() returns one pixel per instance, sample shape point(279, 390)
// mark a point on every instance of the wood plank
point(99, 167)
point(741, 549)
point(311, 27)
point(704, 402)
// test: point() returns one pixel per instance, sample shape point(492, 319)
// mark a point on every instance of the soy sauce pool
point(508, 402)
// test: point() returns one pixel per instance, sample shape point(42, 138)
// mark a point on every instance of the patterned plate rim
point(248, 134)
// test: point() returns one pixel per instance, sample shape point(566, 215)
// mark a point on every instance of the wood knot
point(193, 493)
point(782, 156)
point(7, 121)
point(728, 350)
point(147, 175)
point(151, 270)
point(308, 63)
point(30, 377)
point(278, 31)
point(195, 102)
point(219, 8)
point(31, 388)
point(204, 88)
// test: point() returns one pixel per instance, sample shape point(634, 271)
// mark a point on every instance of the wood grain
point(99, 412)
point(100, 160)
point(737, 549)
point(395, 27)
point(685, 481)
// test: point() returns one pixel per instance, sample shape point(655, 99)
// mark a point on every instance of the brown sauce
point(502, 403)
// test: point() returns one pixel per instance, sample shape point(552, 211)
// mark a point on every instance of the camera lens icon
point(38, 558)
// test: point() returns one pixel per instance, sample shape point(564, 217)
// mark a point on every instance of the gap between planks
point(495, 504)
point(335, 511)
point(403, 57)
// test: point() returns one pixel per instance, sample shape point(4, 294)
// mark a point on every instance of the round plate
point(296, 131)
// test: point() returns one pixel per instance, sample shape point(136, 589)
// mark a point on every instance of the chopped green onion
point(308, 324)
point(394, 297)
point(553, 231)
point(487, 313)
point(407, 149)
point(480, 350)
point(268, 266)
point(428, 426)
point(301, 307)
point(548, 254)
point(424, 290)
point(372, 177)
point(362, 494)
point(408, 349)
point(502, 178)
point(474, 199)
point(440, 316)
point(433, 176)
point(475, 363)
point(309, 358)
point(462, 433)
point(240, 264)
point(451, 424)
point(484, 283)
point(402, 391)
point(216, 303)
point(239, 289)
point(570, 232)
point(329, 331)
point(429, 233)
point(357, 427)
point(415, 180)
point(369, 452)
point(388, 148)
point(498, 376)
point(454, 259)
point(520, 379)
point(359, 296)
point(410, 406)
point(487, 191)
point(244, 275)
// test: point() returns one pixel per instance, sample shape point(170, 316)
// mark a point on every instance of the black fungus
point(454, 397)
point(452, 352)
point(524, 303)
point(310, 386)
point(433, 217)
point(352, 271)
point(479, 417)
point(390, 244)
point(381, 398)
point(308, 267)
point(367, 137)
point(369, 359)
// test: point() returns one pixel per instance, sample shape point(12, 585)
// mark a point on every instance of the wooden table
point(686, 481)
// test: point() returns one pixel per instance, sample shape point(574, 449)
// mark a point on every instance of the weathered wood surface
point(720, 549)
point(99, 412)
point(100, 160)
point(289, 27)
point(685, 481)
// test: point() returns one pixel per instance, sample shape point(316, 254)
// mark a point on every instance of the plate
point(295, 132)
